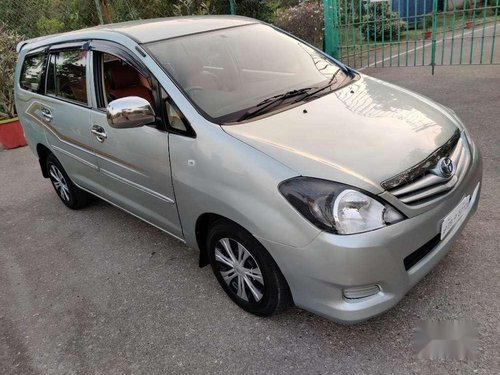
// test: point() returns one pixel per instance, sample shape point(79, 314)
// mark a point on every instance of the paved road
point(100, 292)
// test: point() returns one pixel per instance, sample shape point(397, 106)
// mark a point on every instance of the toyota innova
point(299, 180)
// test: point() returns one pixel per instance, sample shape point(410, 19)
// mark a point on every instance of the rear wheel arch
point(71, 195)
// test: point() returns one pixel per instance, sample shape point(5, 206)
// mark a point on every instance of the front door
point(134, 163)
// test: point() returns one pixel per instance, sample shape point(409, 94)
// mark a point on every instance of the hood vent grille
point(431, 185)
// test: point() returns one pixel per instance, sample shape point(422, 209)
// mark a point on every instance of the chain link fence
point(33, 18)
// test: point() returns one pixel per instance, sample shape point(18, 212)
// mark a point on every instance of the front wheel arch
point(202, 227)
point(276, 295)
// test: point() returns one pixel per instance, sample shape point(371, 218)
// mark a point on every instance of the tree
point(8, 59)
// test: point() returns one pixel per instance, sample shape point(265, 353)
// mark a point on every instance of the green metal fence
point(412, 32)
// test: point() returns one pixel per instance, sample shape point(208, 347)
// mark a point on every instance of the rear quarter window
point(32, 73)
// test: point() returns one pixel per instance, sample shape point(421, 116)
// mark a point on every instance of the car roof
point(150, 30)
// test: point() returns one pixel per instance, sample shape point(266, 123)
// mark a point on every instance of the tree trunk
point(105, 11)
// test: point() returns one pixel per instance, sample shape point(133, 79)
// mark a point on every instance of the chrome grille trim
point(426, 181)
point(431, 191)
point(457, 152)
point(429, 185)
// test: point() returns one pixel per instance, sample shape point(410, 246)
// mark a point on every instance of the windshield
point(229, 73)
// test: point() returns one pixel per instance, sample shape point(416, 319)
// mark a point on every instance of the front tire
point(246, 271)
point(72, 196)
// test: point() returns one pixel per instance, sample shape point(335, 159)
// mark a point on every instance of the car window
point(66, 76)
point(32, 72)
point(175, 119)
point(121, 80)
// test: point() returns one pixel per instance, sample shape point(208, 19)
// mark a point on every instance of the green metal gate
point(387, 33)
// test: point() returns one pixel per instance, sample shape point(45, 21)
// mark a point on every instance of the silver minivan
point(299, 180)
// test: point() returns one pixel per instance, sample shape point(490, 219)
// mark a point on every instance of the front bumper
point(318, 273)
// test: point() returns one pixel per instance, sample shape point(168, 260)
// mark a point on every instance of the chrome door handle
point(99, 133)
point(47, 115)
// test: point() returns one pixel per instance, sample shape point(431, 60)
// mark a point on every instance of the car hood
point(359, 135)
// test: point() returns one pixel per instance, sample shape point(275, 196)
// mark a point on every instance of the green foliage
point(304, 21)
point(349, 12)
point(263, 10)
point(290, 3)
point(8, 58)
point(34, 18)
point(40, 17)
point(426, 21)
point(193, 7)
point(380, 23)
point(126, 10)
point(46, 26)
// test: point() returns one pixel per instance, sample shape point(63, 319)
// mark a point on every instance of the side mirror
point(129, 112)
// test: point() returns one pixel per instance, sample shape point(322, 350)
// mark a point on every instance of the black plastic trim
point(415, 257)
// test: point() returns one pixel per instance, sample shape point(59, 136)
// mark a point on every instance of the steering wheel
point(191, 89)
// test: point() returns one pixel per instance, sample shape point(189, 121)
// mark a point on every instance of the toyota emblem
point(446, 167)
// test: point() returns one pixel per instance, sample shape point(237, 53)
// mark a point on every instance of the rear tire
point(71, 195)
point(246, 271)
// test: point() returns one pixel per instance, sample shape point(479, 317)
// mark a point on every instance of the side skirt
point(131, 213)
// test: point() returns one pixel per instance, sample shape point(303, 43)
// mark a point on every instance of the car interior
point(122, 80)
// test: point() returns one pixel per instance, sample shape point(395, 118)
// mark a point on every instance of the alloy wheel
point(59, 182)
point(239, 270)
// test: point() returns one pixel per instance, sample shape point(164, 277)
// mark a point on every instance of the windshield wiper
point(329, 84)
point(273, 100)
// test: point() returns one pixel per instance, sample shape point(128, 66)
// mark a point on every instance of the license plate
point(454, 216)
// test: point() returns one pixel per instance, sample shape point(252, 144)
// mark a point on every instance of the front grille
point(421, 252)
point(430, 185)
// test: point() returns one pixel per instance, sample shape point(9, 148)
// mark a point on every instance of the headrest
point(123, 76)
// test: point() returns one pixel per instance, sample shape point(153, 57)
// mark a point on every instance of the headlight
point(338, 208)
